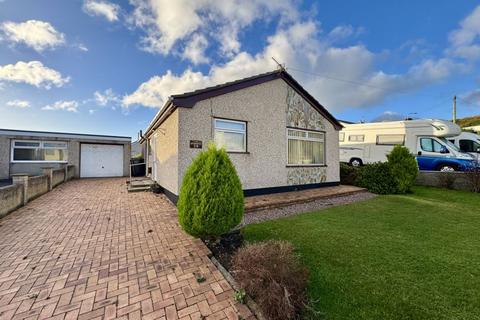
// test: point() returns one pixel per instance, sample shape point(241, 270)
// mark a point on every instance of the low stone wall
point(11, 198)
point(37, 186)
point(58, 177)
point(25, 188)
point(451, 180)
point(70, 172)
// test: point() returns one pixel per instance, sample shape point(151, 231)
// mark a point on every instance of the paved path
point(90, 250)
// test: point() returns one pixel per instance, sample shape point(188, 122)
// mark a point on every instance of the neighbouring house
point(277, 135)
point(92, 155)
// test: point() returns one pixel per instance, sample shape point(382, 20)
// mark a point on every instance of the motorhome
point(467, 142)
point(363, 143)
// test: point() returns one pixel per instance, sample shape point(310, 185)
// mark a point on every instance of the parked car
point(371, 142)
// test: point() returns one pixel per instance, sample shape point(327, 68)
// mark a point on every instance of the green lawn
point(413, 256)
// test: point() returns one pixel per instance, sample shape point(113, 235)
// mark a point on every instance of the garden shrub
point(348, 174)
point(404, 168)
point(272, 274)
point(377, 178)
point(211, 197)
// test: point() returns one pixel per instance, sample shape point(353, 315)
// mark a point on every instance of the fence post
point(22, 178)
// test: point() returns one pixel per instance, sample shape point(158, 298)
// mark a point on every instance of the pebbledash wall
point(269, 109)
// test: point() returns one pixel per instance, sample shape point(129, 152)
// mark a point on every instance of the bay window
point(305, 147)
point(231, 135)
point(39, 151)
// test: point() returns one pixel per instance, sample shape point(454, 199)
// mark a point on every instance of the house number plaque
point(195, 144)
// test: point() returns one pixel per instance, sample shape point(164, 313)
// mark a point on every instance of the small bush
point(272, 274)
point(211, 197)
point(447, 179)
point(404, 168)
point(348, 174)
point(377, 178)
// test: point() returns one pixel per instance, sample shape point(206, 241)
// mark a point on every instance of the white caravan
point(371, 142)
point(467, 142)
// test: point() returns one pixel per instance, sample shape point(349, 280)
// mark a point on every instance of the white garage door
point(101, 160)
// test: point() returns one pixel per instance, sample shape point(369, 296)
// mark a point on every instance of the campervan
point(363, 143)
point(467, 142)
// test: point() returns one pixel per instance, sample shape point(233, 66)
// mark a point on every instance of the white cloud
point(81, 47)
point(108, 10)
point(39, 35)
point(323, 67)
point(472, 97)
point(33, 73)
point(22, 104)
point(156, 91)
point(106, 97)
point(195, 49)
point(168, 22)
point(71, 106)
point(464, 40)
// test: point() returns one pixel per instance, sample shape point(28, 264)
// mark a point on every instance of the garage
point(101, 160)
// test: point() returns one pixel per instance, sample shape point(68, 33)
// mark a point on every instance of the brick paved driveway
point(90, 250)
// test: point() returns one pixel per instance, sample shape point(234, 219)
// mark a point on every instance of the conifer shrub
point(211, 197)
point(404, 168)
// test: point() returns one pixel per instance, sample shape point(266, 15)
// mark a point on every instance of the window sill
point(306, 165)
point(238, 152)
point(36, 161)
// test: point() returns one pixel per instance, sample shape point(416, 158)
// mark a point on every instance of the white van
point(371, 142)
point(467, 142)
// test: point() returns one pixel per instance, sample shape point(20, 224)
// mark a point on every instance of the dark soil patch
point(225, 247)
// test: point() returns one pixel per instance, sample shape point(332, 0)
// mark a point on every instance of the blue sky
point(105, 67)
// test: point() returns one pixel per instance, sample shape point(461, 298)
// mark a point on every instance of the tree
point(211, 197)
point(404, 168)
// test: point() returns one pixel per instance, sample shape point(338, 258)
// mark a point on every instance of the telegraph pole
point(454, 114)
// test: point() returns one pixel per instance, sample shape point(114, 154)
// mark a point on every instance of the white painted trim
point(40, 142)
point(324, 141)
point(244, 132)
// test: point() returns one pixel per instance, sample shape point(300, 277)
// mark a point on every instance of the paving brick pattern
point(90, 250)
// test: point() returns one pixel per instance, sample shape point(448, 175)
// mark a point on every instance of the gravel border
point(295, 209)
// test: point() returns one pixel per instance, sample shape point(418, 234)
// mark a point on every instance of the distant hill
point(469, 121)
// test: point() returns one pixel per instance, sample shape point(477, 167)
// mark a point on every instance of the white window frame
point(307, 138)
point(390, 144)
point(341, 137)
point(244, 132)
point(40, 146)
point(356, 135)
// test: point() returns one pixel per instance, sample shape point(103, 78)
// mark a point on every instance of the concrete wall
point(4, 157)
point(37, 186)
point(11, 198)
point(452, 180)
point(166, 156)
point(58, 177)
point(70, 172)
point(35, 168)
point(265, 163)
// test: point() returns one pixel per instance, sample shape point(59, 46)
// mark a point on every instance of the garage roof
point(66, 135)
